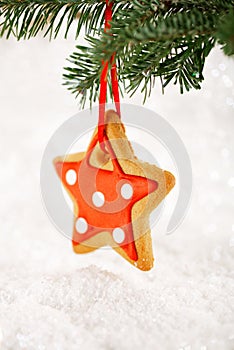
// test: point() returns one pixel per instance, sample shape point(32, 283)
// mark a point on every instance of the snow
point(53, 299)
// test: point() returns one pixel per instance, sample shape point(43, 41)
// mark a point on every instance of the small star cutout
point(113, 195)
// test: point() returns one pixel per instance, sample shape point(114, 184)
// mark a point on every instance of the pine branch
point(170, 40)
point(25, 18)
point(225, 33)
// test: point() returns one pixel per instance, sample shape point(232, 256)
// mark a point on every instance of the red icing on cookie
point(112, 212)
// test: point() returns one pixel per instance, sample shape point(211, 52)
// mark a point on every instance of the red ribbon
point(103, 83)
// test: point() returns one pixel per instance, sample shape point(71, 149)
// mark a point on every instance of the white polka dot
point(81, 225)
point(126, 191)
point(71, 177)
point(98, 199)
point(118, 235)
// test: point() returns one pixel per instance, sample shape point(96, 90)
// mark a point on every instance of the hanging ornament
point(113, 195)
point(113, 192)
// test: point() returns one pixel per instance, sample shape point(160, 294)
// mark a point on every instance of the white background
point(51, 298)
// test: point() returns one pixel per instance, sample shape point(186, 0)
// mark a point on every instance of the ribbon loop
point(104, 81)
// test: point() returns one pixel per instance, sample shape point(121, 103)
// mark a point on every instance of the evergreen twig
point(169, 39)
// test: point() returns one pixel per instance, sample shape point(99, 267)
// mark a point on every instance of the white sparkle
point(231, 182)
point(222, 66)
point(227, 81)
point(229, 101)
point(215, 73)
point(212, 228)
point(231, 242)
point(225, 153)
point(214, 175)
point(1, 337)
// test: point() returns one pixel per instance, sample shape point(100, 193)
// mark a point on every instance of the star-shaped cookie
point(113, 195)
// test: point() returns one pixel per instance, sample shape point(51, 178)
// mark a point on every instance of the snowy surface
point(53, 299)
